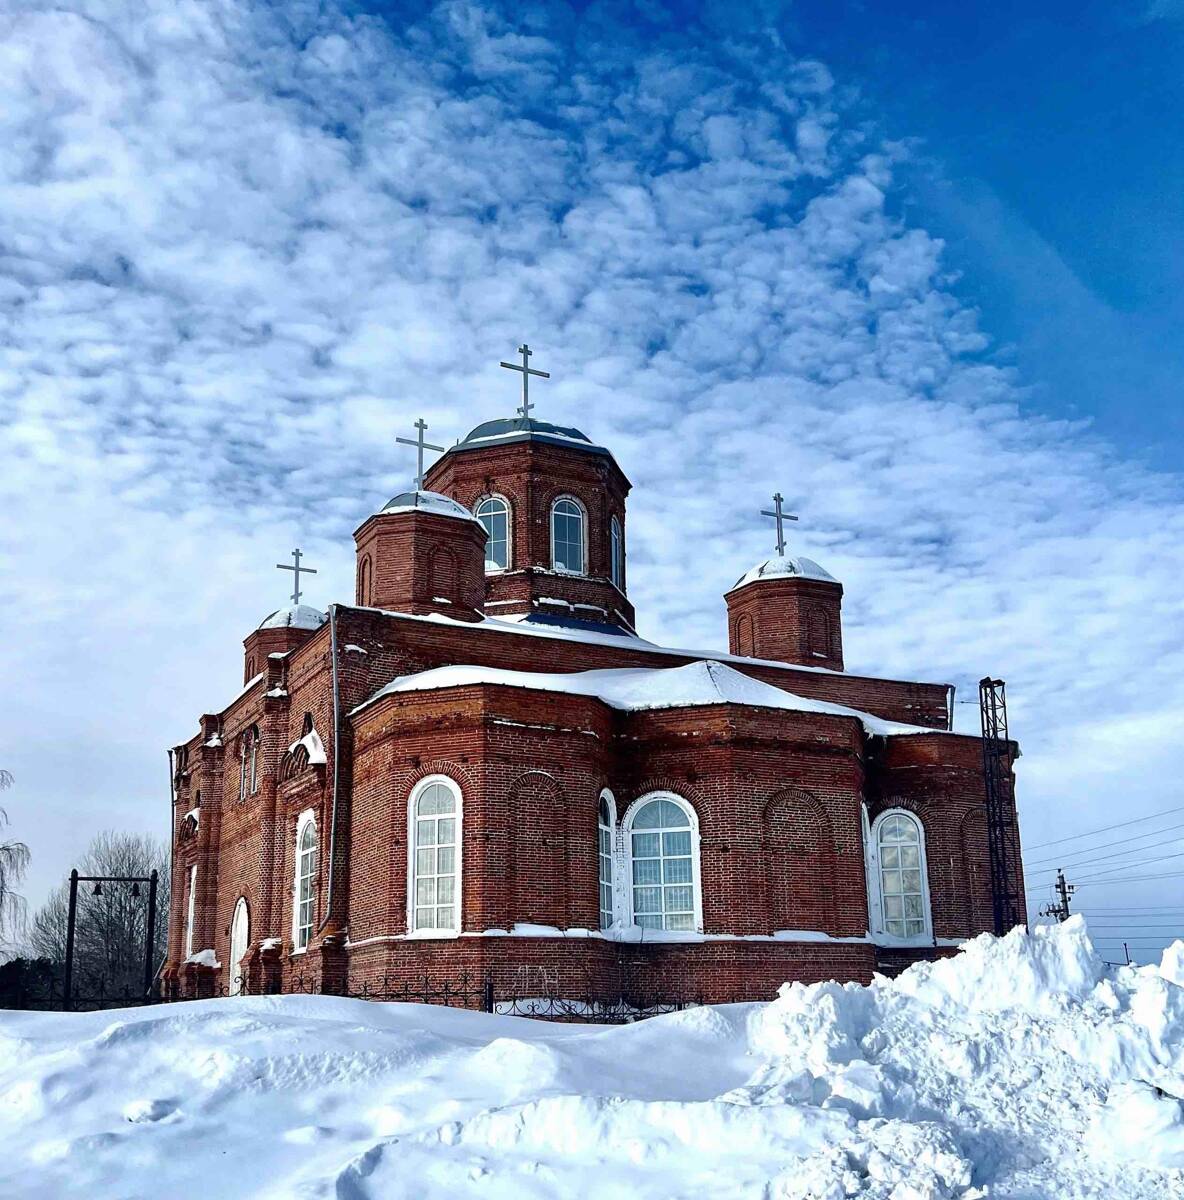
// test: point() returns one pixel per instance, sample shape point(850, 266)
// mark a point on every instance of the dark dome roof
point(523, 427)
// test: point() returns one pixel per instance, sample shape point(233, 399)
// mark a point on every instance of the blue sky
point(914, 269)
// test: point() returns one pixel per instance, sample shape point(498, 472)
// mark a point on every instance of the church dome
point(523, 429)
point(788, 567)
point(429, 502)
point(295, 616)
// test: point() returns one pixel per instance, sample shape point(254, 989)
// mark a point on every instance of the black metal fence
point(43, 989)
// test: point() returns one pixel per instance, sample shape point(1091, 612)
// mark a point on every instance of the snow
point(311, 741)
point(295, 616)
point(783, 568)
point(352, 648)
point(431, 502)
point(1021, 1068)
point(633, 689)
point(204, 958)
point(194, 814)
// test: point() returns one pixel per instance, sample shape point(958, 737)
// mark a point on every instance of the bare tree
point(14, 861)
point(110, 927)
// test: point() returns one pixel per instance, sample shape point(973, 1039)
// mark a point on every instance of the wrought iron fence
point(526, 998)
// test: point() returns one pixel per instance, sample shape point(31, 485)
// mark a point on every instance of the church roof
point(507, 430)
point(785, 567)
point(633, 689)
point(295, 616)
point(433, 502)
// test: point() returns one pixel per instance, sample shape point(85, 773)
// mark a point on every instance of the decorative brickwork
point(788, 619)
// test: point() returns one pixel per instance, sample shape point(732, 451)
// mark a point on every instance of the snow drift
point(1020, 1068)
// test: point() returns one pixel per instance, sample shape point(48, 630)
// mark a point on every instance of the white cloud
point(244, 246)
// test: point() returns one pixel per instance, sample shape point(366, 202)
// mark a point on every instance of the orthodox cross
point(780, 516)
point(297, 571)
point(420, 446)
point(527, 371)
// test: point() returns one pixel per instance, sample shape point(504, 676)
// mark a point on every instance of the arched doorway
point(239, 937)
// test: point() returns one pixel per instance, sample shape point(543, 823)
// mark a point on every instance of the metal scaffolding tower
point(1002, 835)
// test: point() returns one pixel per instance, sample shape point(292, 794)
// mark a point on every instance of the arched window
point(745, 643)
point(304, 895)
point(616, 538)
point(494, 513)
point(253, 772)
point(567, 536)
point(605, 821)
point(239, 940)
point(897, 873)
point(818, 632)
point(663, 846)
point(433, 902)
point(190, 908)
point(365, 575)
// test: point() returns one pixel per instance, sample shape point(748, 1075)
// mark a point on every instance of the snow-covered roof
point(785, 567)
point(311, 741)
point(526, 429)
point(633, 689)
point(295, 616)
point(432, 502)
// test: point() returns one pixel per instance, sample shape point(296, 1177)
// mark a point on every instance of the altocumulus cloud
point(243, 245)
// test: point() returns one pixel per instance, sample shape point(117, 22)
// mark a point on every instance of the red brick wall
point(789, 620)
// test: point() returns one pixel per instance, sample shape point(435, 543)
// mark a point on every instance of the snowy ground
point(1019, 1069)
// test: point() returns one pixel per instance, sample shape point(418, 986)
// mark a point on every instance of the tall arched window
point(605, 821)
point(240, 937)
point(365, 580)
point(190, 910)
point(567, 536)
point(244, 765)
point(433, 903)
point(818, 631)
point(900, 889)
point(494, 513)
point(616, 538)
point(663, 844)
point(253, 759)
point(304, 896)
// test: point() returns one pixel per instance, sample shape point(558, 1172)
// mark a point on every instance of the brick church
point(478, 767)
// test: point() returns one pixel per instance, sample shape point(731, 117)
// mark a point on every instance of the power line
point(1138, 862)
point(1106, 828)
point(1134, 862)
point(1130, 879)
point(1104, 846)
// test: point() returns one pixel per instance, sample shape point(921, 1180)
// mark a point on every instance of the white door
point(239, 936)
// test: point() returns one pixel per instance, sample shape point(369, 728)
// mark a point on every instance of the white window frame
point(583, 570)
point(616, 553)
point(190, 909)
point(875, 878)
point(306, 818)
point(458, 887)
point(254, 756)
point(235, 980)
point(607, 799)
point(242, 766)
point(497, 498)
point(625, 870)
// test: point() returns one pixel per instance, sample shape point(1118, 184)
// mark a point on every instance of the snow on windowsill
point(204, 958)
point(622, 933)
point(350, 648)
point(271, 943)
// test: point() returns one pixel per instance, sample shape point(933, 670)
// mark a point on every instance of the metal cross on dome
point(527, 371)
point(780, 516)
point(421, 446)
point(297, 570)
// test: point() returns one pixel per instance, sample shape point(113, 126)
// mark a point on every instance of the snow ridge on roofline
point(785, 567)
point(637, 689)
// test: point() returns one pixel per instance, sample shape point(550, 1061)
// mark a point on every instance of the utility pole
point(1064, 890)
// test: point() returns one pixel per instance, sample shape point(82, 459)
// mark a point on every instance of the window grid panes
point(617, 553)
point(662, 875)
point(306, 866)
point(434, 888)
point(494, 515)
point(900, 877)
point(254, 761)
point(567, 537)
point(606, 866)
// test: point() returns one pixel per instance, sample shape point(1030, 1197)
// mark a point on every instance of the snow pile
point(1020, 1068)
point(633, 689)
